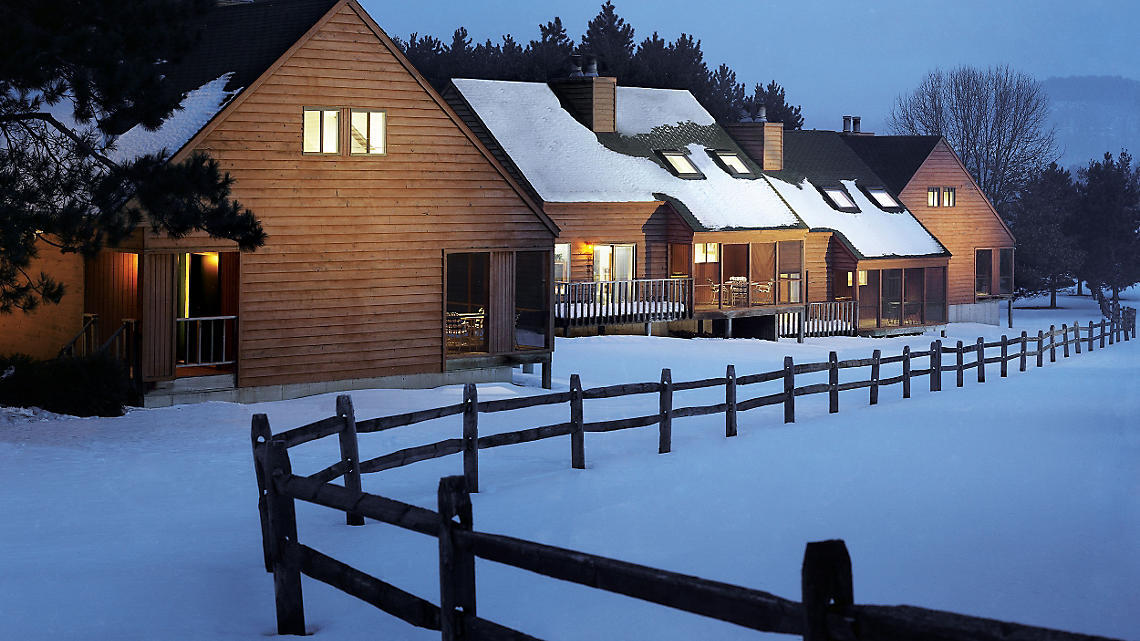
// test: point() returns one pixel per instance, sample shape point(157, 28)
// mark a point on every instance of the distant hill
point(1094, 114)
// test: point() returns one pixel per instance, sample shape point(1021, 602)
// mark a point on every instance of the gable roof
point(817, 159)
point(895, 159)
point(564, 161)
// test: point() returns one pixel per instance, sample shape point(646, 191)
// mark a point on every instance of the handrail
point(90, 325)
point(643, 300)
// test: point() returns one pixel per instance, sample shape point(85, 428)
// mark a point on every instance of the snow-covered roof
point(196, 109)
point(873, 232)
point(564, 161)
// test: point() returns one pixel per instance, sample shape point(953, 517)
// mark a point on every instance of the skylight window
point(883, 198)
point(839, 199)
point(679, 163)
point(732, 163)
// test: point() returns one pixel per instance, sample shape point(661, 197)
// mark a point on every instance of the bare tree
point(996, 119)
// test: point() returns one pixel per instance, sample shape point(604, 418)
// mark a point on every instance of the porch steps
point(192, 389)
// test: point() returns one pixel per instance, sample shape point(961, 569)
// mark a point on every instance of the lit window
point(562, 262)
point(839, 198)
point(733, 163)
point(949, 196)
point(680, 164)
point(367, 132)
point(321, 131)
point(883, 198)
point(933, 197)
point(862, 277)
point(706, 253)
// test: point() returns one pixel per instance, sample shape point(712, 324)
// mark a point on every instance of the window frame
point(612, 261)
point(555, 262)
point(383, 132)
point(980, 295)
point(949, 197)
point(825, 191)
point(870, 192)
point(705, 253)
point(339, 111)
point(718, 157)
point(665, 154)
point(934, 197)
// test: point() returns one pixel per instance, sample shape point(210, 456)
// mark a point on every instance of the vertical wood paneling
point(502, 312)
point(157, 300)
point(111, 289)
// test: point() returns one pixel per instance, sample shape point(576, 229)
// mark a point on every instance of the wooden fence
point(825, 565)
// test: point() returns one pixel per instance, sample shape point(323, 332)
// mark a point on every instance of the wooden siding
point(502, 312)
point(649, 225)
point(44, 331)
point(350, 281)
point(971, 224)
point(763, 141)
point(827, 259)
point(157, 300)
point(112, 289)
point(591, 100)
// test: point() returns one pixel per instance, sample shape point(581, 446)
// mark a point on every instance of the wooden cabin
point(931, 181)
point(400, 252)
point(664, 218)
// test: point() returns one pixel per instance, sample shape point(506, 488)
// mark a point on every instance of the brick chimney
point(590, 98)
point(763, 141)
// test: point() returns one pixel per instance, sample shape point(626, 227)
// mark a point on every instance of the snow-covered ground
point(1017, 499)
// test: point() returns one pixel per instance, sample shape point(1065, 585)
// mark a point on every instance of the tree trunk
point(1053, 297)
point(1079, 288)
point(1009, 312)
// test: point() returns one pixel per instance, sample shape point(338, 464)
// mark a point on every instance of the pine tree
point(775, 102)
point(611, 39)
point(650, 63)
point(73, 76)
point(549, 55)
point(1108, 224)
point(725, 96)
point(1047, 256)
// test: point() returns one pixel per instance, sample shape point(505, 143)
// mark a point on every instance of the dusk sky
point(833, 57)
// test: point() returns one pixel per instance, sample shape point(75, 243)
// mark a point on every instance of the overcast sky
point(832, 56)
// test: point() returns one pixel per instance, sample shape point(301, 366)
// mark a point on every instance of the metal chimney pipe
point(846, 124)
point(576, 66)
point(762, 116)
point(591, 66)
point(856, 125)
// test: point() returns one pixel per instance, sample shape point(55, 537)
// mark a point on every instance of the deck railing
point(646, 300)
point(206, 340)
point(832, 318)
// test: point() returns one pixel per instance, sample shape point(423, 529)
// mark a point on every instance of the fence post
point(1102, 334)
point(789, 390)
point(832, 383)
point(1024, 349)
point(1092, 333)
point(906, 371)
point(981, 360)
point(959, 365)
point(936, 366)
point(665, 419)
point(1077, 337)
point(1052, 343)
point(803, 324)
point(349, 452)
point(874, 393)
point(456, 564)
point(730, 401)
point(1065, 339)
point(471, 437)
point(260, 435)
point(286, 555)
point(825, 578)
point(1004, 354)
point(1111, 330)
point(1040, 348)
point(577, 436)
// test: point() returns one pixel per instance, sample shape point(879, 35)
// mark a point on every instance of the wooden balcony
point(648, 300)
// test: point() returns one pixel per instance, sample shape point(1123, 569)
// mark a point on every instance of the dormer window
point(320, 131)
point(840, 199)
point(731, 162)
point(882, 198)
point(678, 163)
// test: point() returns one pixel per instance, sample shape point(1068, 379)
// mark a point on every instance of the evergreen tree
point(611, 39)
point(775, 102)
point(650, 63)
point(1040, 217)
point(73, 76)
point(725, 96)
point(1108, 225)
point(549, 55)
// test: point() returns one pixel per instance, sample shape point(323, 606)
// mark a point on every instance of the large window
point(468, 290)
point(891, 298)
point(531, 300)
point(366, 134)
point(1005, 271)
point(706, 253)
point(562, 262)
point(790, 271)
point(983, 272)
point(614, 262)
point(321, 131)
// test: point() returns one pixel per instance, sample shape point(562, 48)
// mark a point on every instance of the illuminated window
point(883, 199)
point(366, 132)
point(679, 163)
point(949, 196)
point(706, 253)
point(321, 131)
point(562, 262)
point(732, 163)
point(862, 278)
point(839, 198)
point(933, 196)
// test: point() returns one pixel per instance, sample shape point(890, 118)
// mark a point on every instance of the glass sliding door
point(468, 295)
point(603, 262)
point(532, 310)
point(623, 267)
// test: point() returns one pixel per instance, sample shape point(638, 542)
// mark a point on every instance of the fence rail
point(650, 300)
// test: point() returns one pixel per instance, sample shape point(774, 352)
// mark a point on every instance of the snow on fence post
point(1052, 343)
point(730, 401)
point(260, 435)
point(1040, 348)
point(471, 437)
point(832, 383)
point(789, 390)
point(286, 553)
point(1092, 333)
point(825, 586)
point(456, 562)
point(874, 392)
point(959, 365)
point(1025, 348)
point(1065, 339)
point(349, 452)
point(906, 371)
point(981, 360)
point(577, 436)
point(1004, 354)
point(935, 366)
point(665, 419)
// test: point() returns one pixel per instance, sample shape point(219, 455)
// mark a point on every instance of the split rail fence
point(827, 610)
